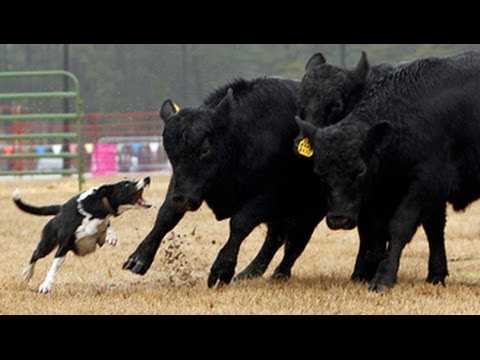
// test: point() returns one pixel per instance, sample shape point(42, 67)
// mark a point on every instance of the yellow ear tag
point(304, 148)
point(176, 107)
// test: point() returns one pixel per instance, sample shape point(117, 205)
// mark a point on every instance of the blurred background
point(123, 85)
point(136, 77)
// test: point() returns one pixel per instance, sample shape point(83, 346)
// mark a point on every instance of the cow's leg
point(241, 225)
point(434, 226)
point(402, 227)
point(167, 218)
point(273, 241)
point(297, 238)
point(373, 236)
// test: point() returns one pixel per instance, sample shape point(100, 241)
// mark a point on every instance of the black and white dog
point(81, 223)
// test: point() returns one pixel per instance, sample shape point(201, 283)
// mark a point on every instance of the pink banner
point(104, 159)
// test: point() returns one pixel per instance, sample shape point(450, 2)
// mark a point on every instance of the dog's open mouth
point(138, 198)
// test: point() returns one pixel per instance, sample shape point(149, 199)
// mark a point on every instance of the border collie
point(81, 223)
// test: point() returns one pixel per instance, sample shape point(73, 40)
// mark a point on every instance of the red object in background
point(124, 129)
point(10, 110)
point(8, 149)
point(16, 127)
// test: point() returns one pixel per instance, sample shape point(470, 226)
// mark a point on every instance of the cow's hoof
point(359, 277)
point(137, 266)
point(281, 276)
point(436, 279)
point(218, 281)
point(378, 287)
point(221, 275)
point(364, 272)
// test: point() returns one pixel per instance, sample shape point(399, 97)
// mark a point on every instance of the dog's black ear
point(102, 190)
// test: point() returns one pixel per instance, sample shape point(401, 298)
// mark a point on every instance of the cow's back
point(434, 106)
point(261, 133)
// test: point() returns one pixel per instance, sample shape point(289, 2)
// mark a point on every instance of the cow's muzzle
point(336, 222)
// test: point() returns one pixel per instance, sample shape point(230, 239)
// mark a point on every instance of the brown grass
point(176, 282)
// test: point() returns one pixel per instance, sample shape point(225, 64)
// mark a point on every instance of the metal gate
point(74, 136)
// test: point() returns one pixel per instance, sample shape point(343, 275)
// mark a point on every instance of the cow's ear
point(362, 68)
point(168, 109)
point(316, 60)
point(377, 137)
point(306, 129)
point(226, 105)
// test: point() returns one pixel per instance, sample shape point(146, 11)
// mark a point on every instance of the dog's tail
point(43, 210)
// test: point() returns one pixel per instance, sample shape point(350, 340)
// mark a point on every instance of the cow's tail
point(43, 210)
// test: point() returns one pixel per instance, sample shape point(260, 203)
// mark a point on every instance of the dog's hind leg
point(39, 253)
point(27, 273)
point(44, 247)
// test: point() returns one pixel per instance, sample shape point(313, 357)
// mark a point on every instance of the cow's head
point(327, 92)
point(195, 144)
point(343, 156)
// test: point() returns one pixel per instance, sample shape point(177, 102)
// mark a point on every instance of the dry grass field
point(176, 282)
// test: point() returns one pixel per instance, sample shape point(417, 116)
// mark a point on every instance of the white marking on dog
point(92, 231)
point(88, 234)
point(111, 237)
point(16, 194)
point(46, 286)
point(28, 272)
point(140, 185)
point(87, 193)
point(83, 196)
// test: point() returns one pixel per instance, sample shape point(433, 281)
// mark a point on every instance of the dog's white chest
point(88, 234)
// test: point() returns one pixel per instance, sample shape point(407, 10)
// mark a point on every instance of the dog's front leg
point(111, 236)
point(46, 286)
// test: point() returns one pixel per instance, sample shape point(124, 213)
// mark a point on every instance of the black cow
point(328, 93)
point(234, 152)
point(411, 146)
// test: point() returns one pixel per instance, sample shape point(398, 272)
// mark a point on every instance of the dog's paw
point(111, 237)
point(45, 288)
point(27, 273)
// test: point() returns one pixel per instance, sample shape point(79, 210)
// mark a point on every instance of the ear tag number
point(304, 148)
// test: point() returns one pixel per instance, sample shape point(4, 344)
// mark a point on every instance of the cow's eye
point(335, 107)
point(205, 149)
point(361, 173)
